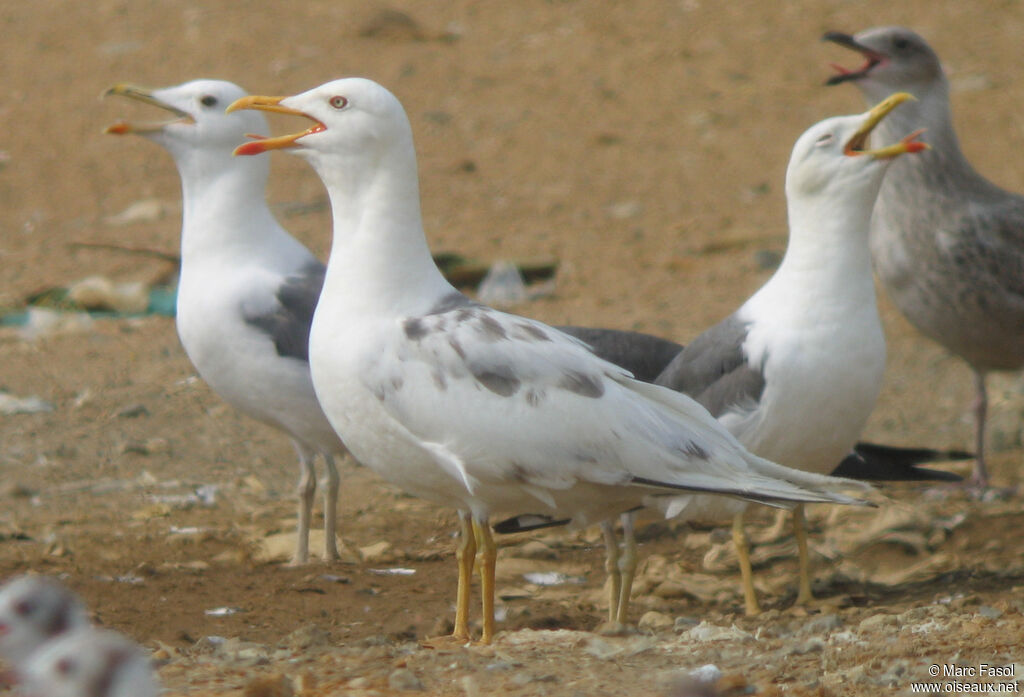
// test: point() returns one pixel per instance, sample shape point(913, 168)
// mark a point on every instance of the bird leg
point(306, 490)
point(611, 566)
point(980, 476)
point(627, 567)
point(739, 540)
point(465, 554)
point(804, 595)
point(332, 483)
point(488, 559)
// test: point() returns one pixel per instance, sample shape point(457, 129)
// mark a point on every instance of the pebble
point(306, 637)
point(535, 549)
point(404, 679)
point(822, 624)
point(276, 685)
point(812, 645)
point(990, 612)
point(655, 621)
point(876, 622)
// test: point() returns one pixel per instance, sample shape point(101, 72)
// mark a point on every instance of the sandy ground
point(642, 145)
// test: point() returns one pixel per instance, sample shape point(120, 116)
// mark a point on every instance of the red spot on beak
point(254, 148)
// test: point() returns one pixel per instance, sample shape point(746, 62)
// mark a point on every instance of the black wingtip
point(528, 522)
point(886, 463)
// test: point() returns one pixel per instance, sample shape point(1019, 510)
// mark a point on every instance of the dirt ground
point(643, 145)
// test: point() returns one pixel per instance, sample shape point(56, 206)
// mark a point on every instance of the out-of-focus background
point(642, 146)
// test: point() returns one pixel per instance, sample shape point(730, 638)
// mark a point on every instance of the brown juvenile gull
point(469, 407)
point(947, 244)
point(795, 371)
point(247, 288)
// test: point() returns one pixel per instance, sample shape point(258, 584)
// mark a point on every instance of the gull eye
point(338, 102)
point(823, 140)
point(208, 100)
point(65, 666)
point(24, 608)
point(901, 43)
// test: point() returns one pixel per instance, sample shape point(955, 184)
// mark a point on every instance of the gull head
point(90, 661)
point(197, 117)
point(353, 120)
point(895, 60)
point(832, 157)
point(33, 610)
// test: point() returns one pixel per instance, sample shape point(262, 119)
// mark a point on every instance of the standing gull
point(467, 406)
point(247, 289)
point(947, 244)
point(794, 373)
point(646, 356)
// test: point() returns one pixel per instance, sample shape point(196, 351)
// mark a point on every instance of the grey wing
point(289, 322)
point(644, 355)
point(714, 370)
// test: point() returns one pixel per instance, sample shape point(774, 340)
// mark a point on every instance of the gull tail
point(733, 470)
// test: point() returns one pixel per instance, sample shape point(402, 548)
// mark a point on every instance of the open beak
point(871, 56)
point(145, 96)
point(856, 144)
point(273, 105)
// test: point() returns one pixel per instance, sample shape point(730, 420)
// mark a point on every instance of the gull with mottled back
point(467, 406)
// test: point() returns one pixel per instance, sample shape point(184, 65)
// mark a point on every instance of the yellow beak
point(271, 104)
point(855, 146)
point(144, 95)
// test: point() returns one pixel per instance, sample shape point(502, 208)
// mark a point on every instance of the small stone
point(276, 685)
point(392, 25)
point(684, 624)
point(132, 411)
point(535, 549)
point(306, 637)
point(377, 552)
point(655, 621)
point(822, 624)
point(707, 673)
point(876, 622)
point(812, 645)
point(404, 679)
point(150, 446)
point(990, 612)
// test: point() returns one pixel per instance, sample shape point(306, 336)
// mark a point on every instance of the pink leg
point(980, 476)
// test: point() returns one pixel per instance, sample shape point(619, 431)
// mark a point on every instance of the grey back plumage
point(288, 324)
point(714, 370)
point(644, 355)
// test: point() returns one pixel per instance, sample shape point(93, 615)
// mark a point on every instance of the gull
point(794, 373)
point(646, 356)
point(467, 406)
point(947, 244)
point(34, 610)
point(90, 662)
point(247, 288)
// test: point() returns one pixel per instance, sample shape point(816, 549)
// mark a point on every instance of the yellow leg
point(627, 567)
point(739, 539)
point(479, 548)
point(804, 595)
point(777, 529)
point(488, 558)
point(611, 566)
point(465, 553)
